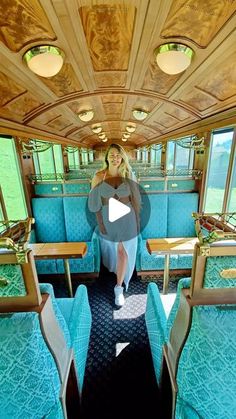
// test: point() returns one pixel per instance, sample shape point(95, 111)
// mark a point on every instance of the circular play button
point(122, 209)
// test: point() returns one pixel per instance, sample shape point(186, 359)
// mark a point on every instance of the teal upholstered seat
point(43, 340)
point(66, 219)
point(171, 216)
point(197, 341)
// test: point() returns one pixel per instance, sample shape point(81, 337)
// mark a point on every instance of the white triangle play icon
point(116, 210)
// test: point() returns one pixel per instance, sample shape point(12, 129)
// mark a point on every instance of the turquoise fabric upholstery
point(85, 264)
point(158, 326)
point(77, 226)
point(214, 266)
point(49, 220)
point(150, 262)
point(46, 266)
point(79, 321)
point(30, 382)
point(157, 223)
point(67, 219)
point(207, 364)
point(155, 319)
point(180, 207)
point(171, 216)
point(70, 188)
point(48, 189)
point(74, 318)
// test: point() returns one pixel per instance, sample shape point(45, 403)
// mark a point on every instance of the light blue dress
point(127, 226)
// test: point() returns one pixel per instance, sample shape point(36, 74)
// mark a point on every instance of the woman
point(118, 240)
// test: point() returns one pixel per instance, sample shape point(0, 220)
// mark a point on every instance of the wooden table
point(65, 251)
point(170, 246)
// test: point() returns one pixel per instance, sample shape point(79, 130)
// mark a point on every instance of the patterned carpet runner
point(119, 378)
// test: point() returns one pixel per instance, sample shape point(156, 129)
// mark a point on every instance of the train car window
point(179, 157)
point(10, 180)
point(84, 156)
point(138, 155)
point(219, 159)
point(46, 161)
point(49, 160)
point(155, 156)
point(73, 159)
point(57, 151)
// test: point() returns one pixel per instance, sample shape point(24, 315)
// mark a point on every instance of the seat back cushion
point(49, 220)
point(180, 221)
point(78, 226)
point(30, 382)
point(157, 220)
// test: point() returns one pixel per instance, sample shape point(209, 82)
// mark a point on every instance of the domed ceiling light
point(102, 136)
point(130, 128)
point(97, 129)
point(44, 60)
point(173, 58)
point(124, 139)
point(126, 135)
point(104, 140)
point(140, 114)
point(86, 116)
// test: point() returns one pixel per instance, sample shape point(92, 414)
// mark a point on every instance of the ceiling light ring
point(35, 58)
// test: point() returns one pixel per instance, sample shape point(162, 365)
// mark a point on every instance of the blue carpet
point(119, 378)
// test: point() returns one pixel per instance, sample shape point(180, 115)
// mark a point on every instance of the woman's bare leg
point(122, 259)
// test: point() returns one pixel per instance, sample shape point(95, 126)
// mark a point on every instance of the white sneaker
point(119, 296)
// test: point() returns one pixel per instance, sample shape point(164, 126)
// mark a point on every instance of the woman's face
point(114, 157)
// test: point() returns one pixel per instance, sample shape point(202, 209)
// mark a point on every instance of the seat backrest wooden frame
point(33, 298)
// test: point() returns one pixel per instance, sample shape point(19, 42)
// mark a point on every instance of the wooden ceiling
point(110, 67)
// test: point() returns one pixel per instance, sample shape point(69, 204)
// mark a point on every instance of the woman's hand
point(102, 228)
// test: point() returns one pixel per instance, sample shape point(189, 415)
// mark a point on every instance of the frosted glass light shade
point(173, 58)
point(139, 114)
point(44, 60)
point(130, 128)
point(86, 116)
point(97, 129)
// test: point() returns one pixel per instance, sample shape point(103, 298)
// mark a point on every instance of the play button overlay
point(117, 210)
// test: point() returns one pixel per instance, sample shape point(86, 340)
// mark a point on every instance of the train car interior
point(117, 209)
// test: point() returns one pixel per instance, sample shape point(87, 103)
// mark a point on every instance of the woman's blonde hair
point(124, 168)
point(125, 171)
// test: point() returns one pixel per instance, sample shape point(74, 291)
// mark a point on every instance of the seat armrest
point(156, 321)
point(80, 322)
point(96, 250)
point(138, 254)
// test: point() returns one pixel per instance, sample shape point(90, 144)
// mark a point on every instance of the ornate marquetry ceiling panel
point(110, 68)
